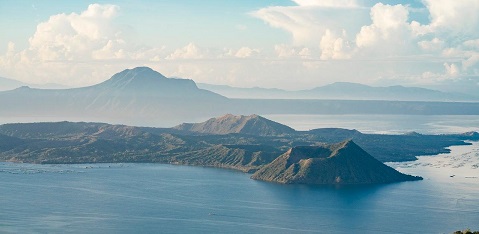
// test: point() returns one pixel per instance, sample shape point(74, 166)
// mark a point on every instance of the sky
point(288, 44)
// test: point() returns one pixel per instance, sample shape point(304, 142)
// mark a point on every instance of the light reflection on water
point(461, 165)
point(383, 124)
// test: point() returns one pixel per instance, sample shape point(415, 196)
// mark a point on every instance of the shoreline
point(462, 163)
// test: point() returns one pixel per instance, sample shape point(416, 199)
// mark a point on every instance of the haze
point(283, 44)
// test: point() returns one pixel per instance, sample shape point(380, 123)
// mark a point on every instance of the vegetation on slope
point(340, 163)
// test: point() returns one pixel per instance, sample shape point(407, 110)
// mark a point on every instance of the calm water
point(152, 198)
point(390, 124)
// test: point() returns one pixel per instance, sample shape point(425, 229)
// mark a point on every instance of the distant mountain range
point(342, 91)
point(9, 84)
point(334, 91)
point(142, 96)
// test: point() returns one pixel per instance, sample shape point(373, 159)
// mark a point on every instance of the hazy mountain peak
point(135, 76)
point(251, 124)
point(145, 81)
point(9, 84)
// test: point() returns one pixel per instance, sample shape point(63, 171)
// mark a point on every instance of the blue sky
point(163, 22)
point(289, 44)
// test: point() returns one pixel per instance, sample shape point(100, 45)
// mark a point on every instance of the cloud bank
point(331, 40)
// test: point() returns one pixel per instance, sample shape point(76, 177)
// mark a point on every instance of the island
point(340, 163)
point(250, 144)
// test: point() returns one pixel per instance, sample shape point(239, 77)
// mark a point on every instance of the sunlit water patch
point(461, 165)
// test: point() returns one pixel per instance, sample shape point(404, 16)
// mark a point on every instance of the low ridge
point(340, 163)
point(251, 125)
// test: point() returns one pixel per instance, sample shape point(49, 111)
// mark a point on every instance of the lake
point(155, 198)
point(386, 124)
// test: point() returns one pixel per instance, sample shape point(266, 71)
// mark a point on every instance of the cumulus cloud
point(309, 20)
point(75, 36)
point(435, 44)
point(376, 43)
point(63, 48)
point(454, 16)
point(286, 51)
point(451, 69)
point(190, 51)
point(245, 52)
point(334, 47)
point(447, 47)
point(389, 25)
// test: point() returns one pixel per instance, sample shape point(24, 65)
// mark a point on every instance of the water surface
point(386, 124)
point(127, 198)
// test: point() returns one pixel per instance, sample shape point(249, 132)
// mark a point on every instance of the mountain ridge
point(142, 96)
point(342, 91)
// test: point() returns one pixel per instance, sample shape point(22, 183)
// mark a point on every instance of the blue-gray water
point(154, 198)
point(388, 124)
point(139, 198)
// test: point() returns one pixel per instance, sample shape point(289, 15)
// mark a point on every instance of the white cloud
point(305, 53)
point(286, 51)
point(190, 51)
point(457, 17)
point(435, 44)
point(64, 47)
point(245, 52)
point(375, 44)
point(309, 21)
point(383, 41)
point(74, 36)
point(389, 26)
point(334, 47)
point(451, 69)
